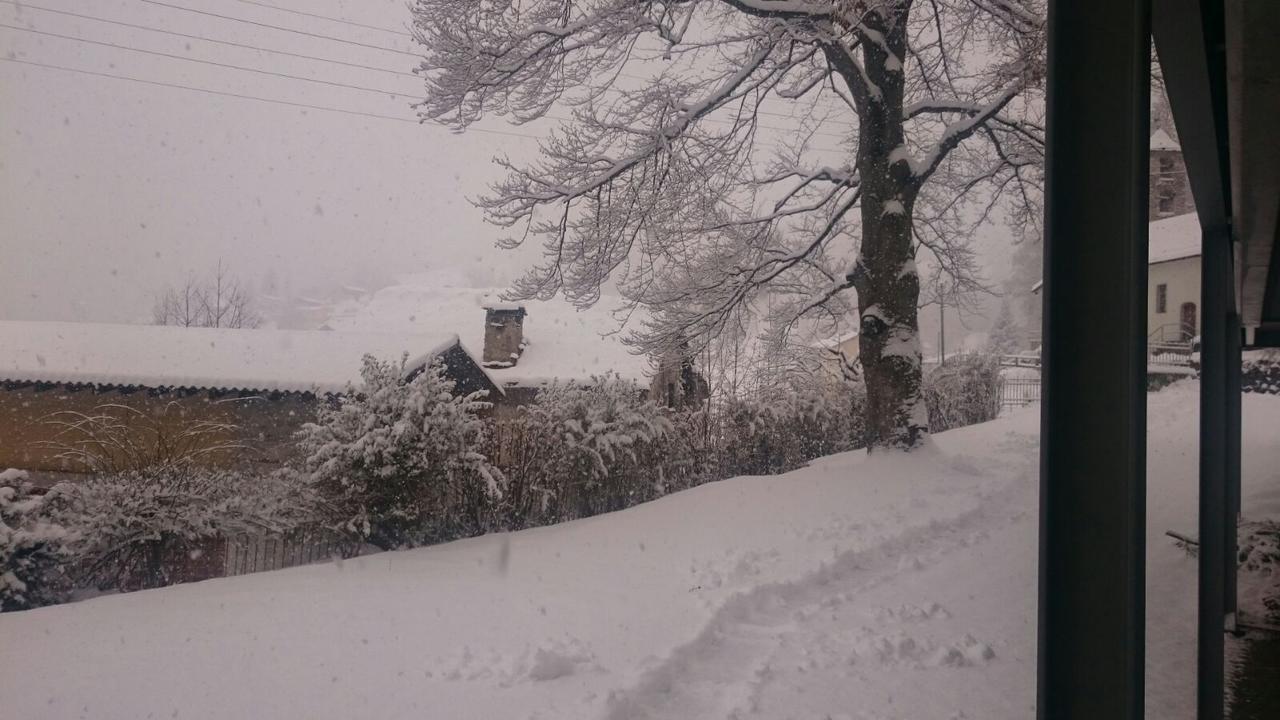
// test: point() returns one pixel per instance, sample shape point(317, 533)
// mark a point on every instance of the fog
point(110, 189)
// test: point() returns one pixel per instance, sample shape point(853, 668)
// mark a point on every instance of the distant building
point(839, 355)
point(1173, 258)
point(677, 383)
point(1170, 190)
point(264, 383)
point(526, 345)
point(1173, 279)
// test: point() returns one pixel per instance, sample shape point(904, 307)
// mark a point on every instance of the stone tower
point(1170, 192)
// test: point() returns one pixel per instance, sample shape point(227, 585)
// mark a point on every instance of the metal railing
point(246, 555)
point(1016, 392)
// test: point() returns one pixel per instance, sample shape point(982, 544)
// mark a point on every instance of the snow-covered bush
point(33, 548)
point(691, 453)
point(1260, 372)
point(582, 449)
point(399, 459)
point(138, 528)
point(791, 427)
point(964, 391)
point(1259, 547)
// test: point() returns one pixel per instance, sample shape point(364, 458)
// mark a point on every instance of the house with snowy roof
point(839, 354)
point(1173, 253)
point(526, 345)
point(1173, 279)
point(260, 385)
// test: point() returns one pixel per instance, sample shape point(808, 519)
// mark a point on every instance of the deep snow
point(855, 588)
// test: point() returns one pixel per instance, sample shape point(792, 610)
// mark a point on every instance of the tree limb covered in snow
point(689, 176)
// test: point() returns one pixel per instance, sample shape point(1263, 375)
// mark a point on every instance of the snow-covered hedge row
point(139, 528)
point(790, 428)
point(134, 529)
point(964, 391)
point(581, 450)
point(403, 461)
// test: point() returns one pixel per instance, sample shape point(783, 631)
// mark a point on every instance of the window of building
point(1166, 165)
point(1162, 298)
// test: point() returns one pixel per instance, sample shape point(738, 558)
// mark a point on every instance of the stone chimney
point(503, 335)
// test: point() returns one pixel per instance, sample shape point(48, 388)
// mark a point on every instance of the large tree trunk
point(889, 343)
point(885, 276)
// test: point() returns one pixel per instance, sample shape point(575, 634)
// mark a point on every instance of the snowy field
point(855, 588)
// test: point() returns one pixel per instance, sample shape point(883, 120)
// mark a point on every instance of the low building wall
point(262, 425)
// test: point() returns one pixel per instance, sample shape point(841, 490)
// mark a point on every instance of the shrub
point(1260, 372)
point(964, 391)
point(790, 428)
point(579, 450)
point(398, 461)
point(32, 547)
point(138, 528)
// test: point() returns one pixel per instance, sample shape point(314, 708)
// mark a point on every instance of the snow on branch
point(672, 188)
point(956, 132)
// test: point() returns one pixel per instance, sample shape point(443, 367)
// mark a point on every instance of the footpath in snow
point(856, 588)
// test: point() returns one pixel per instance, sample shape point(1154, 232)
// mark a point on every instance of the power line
point(375, 27)
point(222, 93)
point(214, 63)
point(325, 17)
point(28, 6)
point(374, 47)
point(280, 28)
point(410, 35)
point(287, 76)
point(288, 103)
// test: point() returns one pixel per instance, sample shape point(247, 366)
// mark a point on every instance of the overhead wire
point(410, 35)
point(214, 63)
point(288, 76)
point(325, 17)
point(232, 66)
point(223, 93)
point(281, 28)
point(278, 101)
point(201, 38)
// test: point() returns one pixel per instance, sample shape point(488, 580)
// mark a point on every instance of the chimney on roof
point(503, 335)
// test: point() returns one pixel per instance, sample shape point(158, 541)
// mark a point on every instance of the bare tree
point(665, 183)
point(182, 306)
point(218, 302)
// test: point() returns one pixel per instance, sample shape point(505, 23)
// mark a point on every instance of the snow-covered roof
point(1160, 140)
point(1174, 238)
point(834, 341)
point(204, 358)
point(561, 341)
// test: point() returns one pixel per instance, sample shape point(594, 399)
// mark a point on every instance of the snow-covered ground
point(856, 588)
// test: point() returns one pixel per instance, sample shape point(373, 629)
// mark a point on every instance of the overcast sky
point(111, 188)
